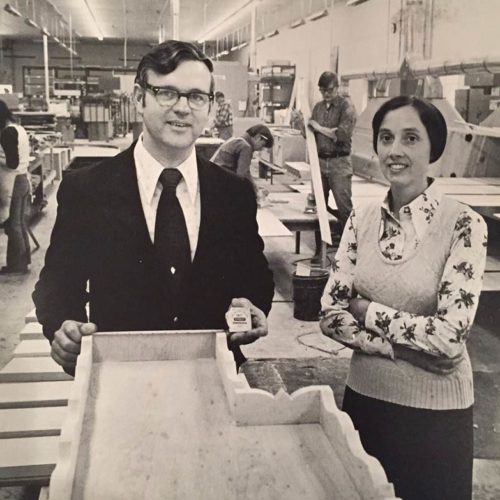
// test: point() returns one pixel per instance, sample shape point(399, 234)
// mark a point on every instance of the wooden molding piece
point(32, 370)
point(34, 394)
point(31, 331)
point(31, 317)
point(32, 348)
point(157, 414)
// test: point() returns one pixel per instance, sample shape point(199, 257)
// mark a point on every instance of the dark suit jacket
point(100, 236)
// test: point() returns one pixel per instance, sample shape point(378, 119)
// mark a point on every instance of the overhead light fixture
point(260, 38)
point(235, 47)
point(56, 39)
point(317, 15)
point(297, 23)
point(45, 31)
point(31, 23)
point(351, 3)
point(100, 36)
point(242, 44)
point(11, 10)
point(272, 33)
point(223, 53)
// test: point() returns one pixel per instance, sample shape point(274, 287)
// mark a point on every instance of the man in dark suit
point(103, 249)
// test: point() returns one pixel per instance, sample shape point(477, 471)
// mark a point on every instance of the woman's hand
point(438, 365)
point(358, 307)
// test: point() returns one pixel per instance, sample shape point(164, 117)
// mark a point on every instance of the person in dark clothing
point(108, 230)
point(333, 120)
point(14, 191)
point(236, 153)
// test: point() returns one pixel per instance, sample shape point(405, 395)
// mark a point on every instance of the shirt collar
point(421, 210)
point(149, 171)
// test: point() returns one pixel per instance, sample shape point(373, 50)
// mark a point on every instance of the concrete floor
point(313, 357)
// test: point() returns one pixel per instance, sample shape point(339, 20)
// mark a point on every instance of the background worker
point(236, 153)
point(223, 122)
point(149, 229)
point(14, 191)
point(333, 120)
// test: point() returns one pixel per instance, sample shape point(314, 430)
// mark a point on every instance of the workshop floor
point(294, 354)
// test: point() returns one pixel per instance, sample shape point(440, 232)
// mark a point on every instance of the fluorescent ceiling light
point(45, 31)
point(272, 33)
point(31, 23)
point(297, 23)
point(317, 15)
point(56, 39)
point(260, 38)
point(234, 47)
point(351, 3)
point(11, 10)
point(100, 36)
point(223, 53)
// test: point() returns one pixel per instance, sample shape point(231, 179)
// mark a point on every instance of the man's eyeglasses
point(169, 96)
point(327, 90)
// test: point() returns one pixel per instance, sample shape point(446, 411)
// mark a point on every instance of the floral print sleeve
point(444, 333)
point(336, 321)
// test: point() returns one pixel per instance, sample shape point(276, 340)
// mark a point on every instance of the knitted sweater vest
point(411, 285)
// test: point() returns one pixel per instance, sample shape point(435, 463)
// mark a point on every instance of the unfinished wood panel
point(33, 348)
point(27, 460)
point(32, 370)
point(34, 394)
point(31, 317)
point(169, 426)
point(31, 422)
point(270, 225)
point(31, 331)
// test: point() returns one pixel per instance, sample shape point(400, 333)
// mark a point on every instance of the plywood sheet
point(31, 422)
point(270, 225)
point(32, 348)
point(34, 394)
point(31, 331)
point(32, 370)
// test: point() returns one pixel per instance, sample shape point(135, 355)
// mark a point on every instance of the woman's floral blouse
point(442, 334)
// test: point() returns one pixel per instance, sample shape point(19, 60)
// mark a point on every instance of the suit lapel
point(129, 213)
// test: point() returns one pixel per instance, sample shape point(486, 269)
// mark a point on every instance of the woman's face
point(404, 149)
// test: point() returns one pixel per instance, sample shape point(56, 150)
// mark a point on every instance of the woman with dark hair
point(236, 153)
point(14, 191)
point(402, 293)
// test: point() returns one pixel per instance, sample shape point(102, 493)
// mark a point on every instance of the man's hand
point(259, 324)
point(441, 366)
point(358, 307)
point(67, 342)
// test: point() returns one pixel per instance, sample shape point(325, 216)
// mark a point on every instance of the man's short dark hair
point(5, 115)
point(219, 94)
point(165, 57)
point(430, 116)
point(263, 131)
point(328, 79)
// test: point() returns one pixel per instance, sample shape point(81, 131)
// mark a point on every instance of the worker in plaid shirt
point(223, 121)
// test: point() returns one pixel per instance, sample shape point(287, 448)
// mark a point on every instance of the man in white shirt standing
point(109, 228)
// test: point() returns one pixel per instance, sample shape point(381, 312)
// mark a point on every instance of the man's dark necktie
point(171, 240)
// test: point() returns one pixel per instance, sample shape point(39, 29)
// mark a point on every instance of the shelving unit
point(276, 85)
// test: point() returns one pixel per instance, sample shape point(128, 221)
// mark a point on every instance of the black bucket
point(307, 292)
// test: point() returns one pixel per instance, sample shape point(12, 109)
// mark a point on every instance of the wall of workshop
point(369, 37)
point(27, 53)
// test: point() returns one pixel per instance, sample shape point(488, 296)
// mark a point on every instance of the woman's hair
point(263, 131)
point(430, 116)
point(5, 115)
point(165, 57)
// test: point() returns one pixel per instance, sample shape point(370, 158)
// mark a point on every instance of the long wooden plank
point(32, 348)
point(35, 394)
point(31, 331)
point(32, 370)
point(488, 200)
point(31, 422)
point(491, 282)
point(27, 460)
point(31, 317)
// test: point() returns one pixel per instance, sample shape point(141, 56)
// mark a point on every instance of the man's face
point(220, 100)
point(328, 93)
point(175, 127)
